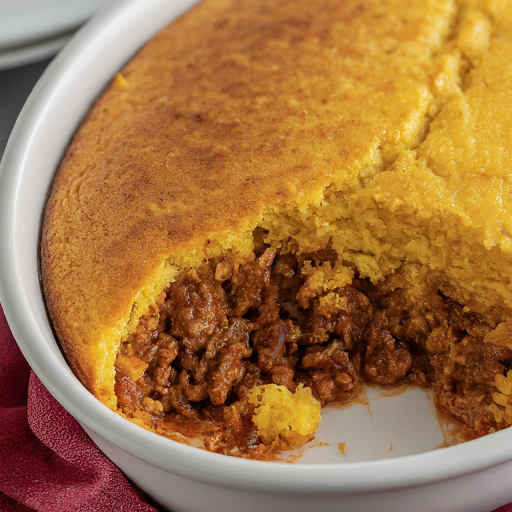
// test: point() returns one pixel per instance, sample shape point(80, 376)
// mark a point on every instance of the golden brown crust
point(236, 109)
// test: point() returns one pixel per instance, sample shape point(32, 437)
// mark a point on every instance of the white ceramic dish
point(413, 476)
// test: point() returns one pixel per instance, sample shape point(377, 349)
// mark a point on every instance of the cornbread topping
point(302, 194)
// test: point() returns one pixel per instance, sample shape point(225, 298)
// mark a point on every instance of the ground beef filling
point(220, 330)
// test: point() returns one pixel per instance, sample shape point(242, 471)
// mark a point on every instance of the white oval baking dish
point(413, 476)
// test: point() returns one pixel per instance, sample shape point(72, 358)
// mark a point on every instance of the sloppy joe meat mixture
point(219, 331)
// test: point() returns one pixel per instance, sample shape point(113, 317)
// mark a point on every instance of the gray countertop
point(15, 86)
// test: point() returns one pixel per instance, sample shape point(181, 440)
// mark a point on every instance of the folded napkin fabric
point(47, 461)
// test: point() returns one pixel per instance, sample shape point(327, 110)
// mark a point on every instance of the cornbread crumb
point(283, 417)
point(342, 447)
point(121, 81)
point(131, 365)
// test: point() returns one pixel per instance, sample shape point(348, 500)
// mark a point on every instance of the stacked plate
point(31, 30)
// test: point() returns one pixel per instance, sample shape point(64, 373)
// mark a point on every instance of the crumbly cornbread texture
point(378, 129)
point(284, 418)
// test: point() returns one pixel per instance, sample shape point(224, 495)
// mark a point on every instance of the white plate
point(21, 55)
point(27, 21)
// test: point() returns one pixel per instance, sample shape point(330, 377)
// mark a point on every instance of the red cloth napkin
point(47, 462)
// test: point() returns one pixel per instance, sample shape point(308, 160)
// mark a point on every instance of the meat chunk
point(385, 360)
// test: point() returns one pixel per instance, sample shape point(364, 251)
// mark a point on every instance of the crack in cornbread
point(380, 132)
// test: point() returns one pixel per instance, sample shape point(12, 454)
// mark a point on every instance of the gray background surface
point(15, 86)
